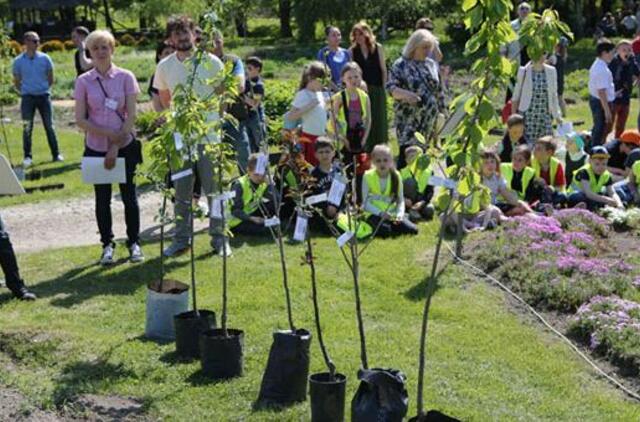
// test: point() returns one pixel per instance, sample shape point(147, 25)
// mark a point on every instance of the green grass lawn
point(484, 362)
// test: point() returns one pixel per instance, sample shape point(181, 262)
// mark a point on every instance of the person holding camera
point(417, 90)
point(351, 120)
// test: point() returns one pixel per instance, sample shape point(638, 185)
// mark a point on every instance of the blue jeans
point(237, 136)
point(28, 107)
point(598, 132)
point(624, 191)
point(577, 197)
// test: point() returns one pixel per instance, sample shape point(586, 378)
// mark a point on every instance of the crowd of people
point(340, 118)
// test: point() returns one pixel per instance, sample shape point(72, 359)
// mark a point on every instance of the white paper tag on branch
point(344, 238)
point(441, 181)
point(312, 200)
point(181, 174)
point(300, 233)
point(216, 209)
point(565, 128)
point(177, 139)
point(225, 196)
point(272, 222)
point(261, 164)
point(338, 186)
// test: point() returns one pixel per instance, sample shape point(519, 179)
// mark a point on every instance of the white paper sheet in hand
point(9, 183)
point(565, 129)
point(94, 173)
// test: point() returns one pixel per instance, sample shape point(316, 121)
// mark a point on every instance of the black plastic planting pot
point(285, 379)
point(221, 356)
point(381, 396)
point(189, 325)
point(327, 397)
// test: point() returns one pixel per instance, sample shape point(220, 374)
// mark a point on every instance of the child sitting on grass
point(383, 196)
point(323, 175)
point(251, 191)
point(415, 182)
point(592, 186)
point(492, 179)
point(549, 171)
point(520, 179)
point(575, 157)
point(513, 137)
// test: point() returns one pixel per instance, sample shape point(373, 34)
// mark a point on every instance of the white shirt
point(314, 121)
point(172, 72)
point(600, 77)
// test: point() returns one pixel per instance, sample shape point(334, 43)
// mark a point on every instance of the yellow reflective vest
point(597, 185)
point(342, 123)
point(250, 198)
point(554, 163)
point(384, 201)
point(506, 170)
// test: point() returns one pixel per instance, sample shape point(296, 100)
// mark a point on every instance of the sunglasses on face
point(33, 41)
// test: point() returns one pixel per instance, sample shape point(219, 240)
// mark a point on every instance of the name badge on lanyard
point(111, 104)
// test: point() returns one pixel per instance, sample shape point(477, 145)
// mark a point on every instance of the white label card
point(216, 209)
point(316, 199)
point(225, 196)
point(177, 139)
point(565, 128)
point(338, 186)
point(261, 164)
point(344, 238)
point(182, 174)
point(300, 233)
point(441, 181)
point(272, 222)
point(111, 104)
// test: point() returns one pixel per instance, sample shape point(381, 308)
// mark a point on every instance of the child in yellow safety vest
point(634, 182)
point(383, 198)
point(520, 179)
point(493, 179)
point(253, 200)
point(592, 185)
point(550, 172)
point(415, 183)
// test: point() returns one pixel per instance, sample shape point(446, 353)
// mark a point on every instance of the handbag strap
point(106, 96)
point(345, 107)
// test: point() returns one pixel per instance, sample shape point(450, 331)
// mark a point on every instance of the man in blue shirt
point(33, 77)
point(334, 56)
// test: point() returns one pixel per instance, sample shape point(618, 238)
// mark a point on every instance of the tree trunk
point(240, 20)
point(107, 16)
point(284, 12)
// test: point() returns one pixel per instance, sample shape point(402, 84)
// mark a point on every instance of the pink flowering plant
point(557, 262)
point(610, 326)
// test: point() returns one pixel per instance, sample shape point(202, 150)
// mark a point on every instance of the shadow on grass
point(56, 171)
point(419, 291)
point(85, 282)
point(199, 379)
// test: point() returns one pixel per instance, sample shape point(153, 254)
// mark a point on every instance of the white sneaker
point(27, 162)
point(135, 253)
point(224, 249)
point(107, 255)
point(59, 157)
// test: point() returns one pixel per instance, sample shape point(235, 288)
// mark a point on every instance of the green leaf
point(468, 5)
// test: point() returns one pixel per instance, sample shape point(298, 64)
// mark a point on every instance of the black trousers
point(391, 228)
point(9, 263)
point(132, 155)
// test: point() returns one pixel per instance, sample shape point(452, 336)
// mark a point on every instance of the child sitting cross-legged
point(520, 180)
point(492, 179)
point(383, 197)
point(415, 182)
point(251, 192)
point(550, 172)
point(592, 185)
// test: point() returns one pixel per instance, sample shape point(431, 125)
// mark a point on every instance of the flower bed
point(557, 262)
point(611, 327)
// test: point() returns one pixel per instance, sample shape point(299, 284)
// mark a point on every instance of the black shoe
point(26, 295)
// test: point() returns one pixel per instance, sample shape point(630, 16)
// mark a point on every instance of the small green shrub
point(69, 45)
point(15, 47)
point(128, 40)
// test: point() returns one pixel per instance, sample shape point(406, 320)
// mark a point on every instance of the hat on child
point(599, 152)
point(631, 136)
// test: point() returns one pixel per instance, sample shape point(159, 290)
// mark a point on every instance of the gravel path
point(71, 222)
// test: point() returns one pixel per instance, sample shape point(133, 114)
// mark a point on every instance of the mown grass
point(84, 335)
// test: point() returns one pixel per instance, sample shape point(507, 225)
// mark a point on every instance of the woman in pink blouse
point(106, 110)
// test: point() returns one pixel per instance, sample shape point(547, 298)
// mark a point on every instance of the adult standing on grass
point(171, 72)
point(415, 86)
point(236, 134)
point(514, 51)
point(106, 110)
point(334, 56)
point(10, 269)
point(625, 70)
point(82, 56)
point(33, 78)
point(370, 57)
point(535, 96)
point(601, 91)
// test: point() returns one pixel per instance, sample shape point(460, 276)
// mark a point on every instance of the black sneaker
point(26, 295)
